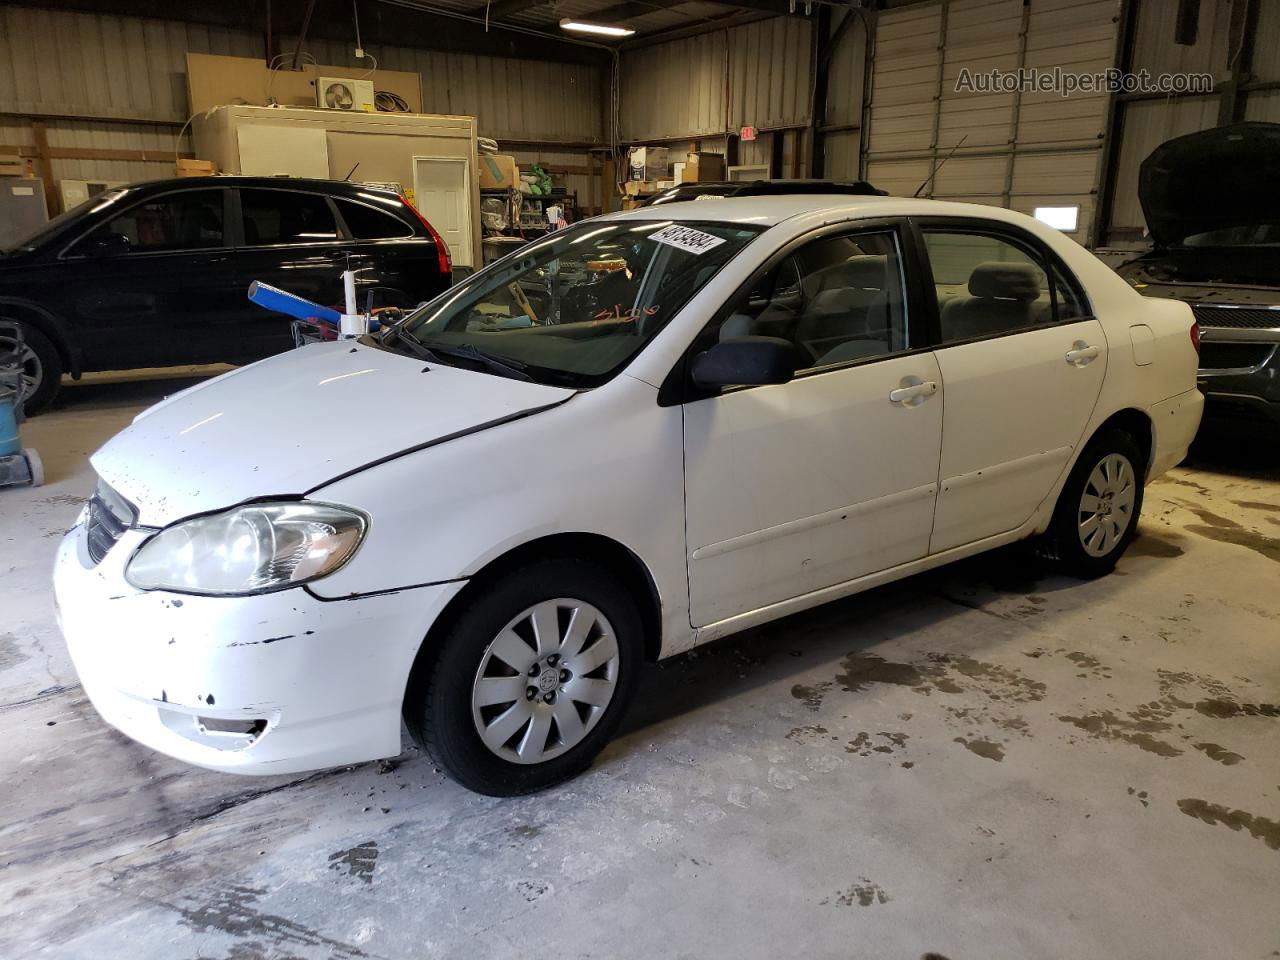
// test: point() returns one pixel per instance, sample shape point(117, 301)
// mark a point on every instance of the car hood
point(294, 422)
point(1218, 178)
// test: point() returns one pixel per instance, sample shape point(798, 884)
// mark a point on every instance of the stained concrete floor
point(984, 762)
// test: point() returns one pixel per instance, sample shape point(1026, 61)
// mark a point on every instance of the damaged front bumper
point(277, 683)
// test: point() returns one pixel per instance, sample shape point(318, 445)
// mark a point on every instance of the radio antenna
point(939, 166)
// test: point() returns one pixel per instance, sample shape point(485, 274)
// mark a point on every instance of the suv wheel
point(532, 678)
point(41, 368)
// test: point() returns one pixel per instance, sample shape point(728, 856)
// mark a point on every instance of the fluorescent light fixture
point(603, 29)
point(1060, 218)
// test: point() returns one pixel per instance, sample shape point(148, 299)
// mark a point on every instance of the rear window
point(366, 223)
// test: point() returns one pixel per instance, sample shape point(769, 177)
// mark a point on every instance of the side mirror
point(745, 361)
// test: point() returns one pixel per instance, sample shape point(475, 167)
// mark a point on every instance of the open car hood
point(1211, 180)
point(293, 422)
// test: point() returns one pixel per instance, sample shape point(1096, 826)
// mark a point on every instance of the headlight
point(256, 548)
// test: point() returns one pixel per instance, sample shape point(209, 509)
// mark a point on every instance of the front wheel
point(1097, 512)
point(41, 368)
point(531, 680)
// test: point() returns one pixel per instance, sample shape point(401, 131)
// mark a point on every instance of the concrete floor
point(985, 762)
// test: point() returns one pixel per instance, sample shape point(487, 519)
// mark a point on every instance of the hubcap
point(1106, 506)
point(545, 681)
point(32, 370)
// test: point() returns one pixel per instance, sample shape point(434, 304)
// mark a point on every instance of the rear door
point(1022, 363)
point(289, 239)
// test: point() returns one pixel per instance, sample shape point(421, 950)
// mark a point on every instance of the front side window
point(988, 285)
point(191, 220)
point(835, 299)
point(575, 306)
point(283, 216)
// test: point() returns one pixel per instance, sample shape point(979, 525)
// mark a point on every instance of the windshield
point(1243, 235)
point(574, 307)
point(34, 238)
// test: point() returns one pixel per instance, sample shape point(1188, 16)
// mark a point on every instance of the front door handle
point(913, 391)
point(1082, 353)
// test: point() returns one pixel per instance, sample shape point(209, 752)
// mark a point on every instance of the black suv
point(1212, 211)
point(156, 274)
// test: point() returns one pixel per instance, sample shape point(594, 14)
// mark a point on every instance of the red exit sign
point(747, 133)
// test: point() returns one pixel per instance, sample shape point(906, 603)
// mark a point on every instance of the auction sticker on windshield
point(686, 238)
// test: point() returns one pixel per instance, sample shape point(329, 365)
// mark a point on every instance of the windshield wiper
point(464, 351)
point(467, 351)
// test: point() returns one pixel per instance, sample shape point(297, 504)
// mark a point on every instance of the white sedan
point(626, 439)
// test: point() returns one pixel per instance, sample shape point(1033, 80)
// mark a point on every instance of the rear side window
point(366, 223)
point(191, 220)
point(283, 216)
point(989, 285)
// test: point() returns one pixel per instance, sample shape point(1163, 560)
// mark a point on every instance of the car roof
point(241, 180)
point(771, 210)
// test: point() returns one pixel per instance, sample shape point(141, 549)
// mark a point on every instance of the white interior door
point(442, 188)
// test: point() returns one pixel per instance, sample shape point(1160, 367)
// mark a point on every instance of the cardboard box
point(702, 167)
point(498, 171)
point(649, 163)
point(12, 166)
point(194, 168)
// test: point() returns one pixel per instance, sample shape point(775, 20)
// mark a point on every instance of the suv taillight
point(1195, 337)
point(442, 250)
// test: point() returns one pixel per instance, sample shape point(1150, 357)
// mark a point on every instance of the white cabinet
point(432, 157)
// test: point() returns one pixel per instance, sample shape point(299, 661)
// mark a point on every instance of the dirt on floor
point(986, 761)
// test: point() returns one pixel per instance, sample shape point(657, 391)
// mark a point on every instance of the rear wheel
point(531, 680)
point(1097, 512)
point(41, 368)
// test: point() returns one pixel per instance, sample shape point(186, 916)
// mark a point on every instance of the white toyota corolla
point(628, 438)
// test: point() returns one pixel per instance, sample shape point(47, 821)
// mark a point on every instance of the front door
point(145, 286)
point(804, 485)
point(1022, 362)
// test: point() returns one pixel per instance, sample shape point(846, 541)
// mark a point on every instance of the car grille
point(110, 515)
point(1233, 354)
point(1251, 318)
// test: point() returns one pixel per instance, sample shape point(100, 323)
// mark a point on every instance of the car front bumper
point(277, 683)
point(1240, 375)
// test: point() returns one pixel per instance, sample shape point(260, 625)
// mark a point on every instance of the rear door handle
point(913, 392)
point(1081, 353)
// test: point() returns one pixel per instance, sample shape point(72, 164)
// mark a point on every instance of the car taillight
point(1195, 337)
point(442, 250)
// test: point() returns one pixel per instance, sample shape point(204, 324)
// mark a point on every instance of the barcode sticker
point(686, 238)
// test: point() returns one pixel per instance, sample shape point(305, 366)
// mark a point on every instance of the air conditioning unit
point(339, 93)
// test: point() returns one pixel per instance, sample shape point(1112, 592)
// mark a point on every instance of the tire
point(1110, 473)
point(42, 367)
point(490, 673)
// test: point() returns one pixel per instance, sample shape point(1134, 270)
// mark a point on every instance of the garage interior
point(987, 760)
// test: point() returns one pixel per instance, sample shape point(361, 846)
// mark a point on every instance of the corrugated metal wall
point(1146, 123)
point(59, 64)
point(843, 143)
point(1020, 149)
point(675, 89)
point(707, 85)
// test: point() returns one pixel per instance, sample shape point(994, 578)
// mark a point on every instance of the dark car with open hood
point(156, 274)
point(1212, 203)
